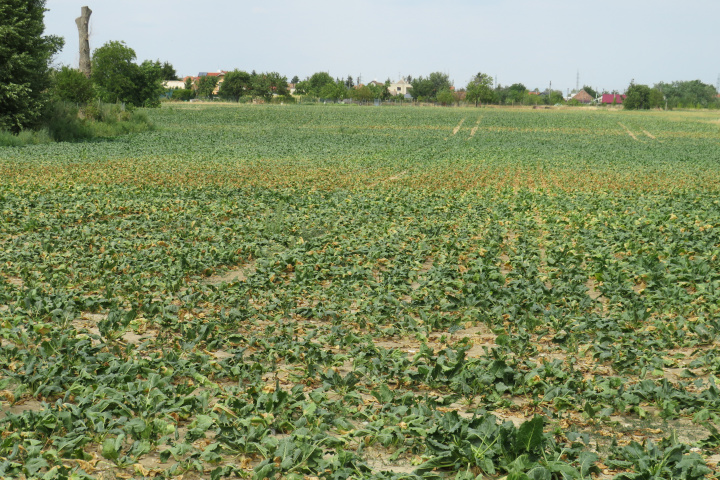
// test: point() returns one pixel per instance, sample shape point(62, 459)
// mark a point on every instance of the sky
point(608, 43)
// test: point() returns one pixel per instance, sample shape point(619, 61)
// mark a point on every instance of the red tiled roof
point(609, 97)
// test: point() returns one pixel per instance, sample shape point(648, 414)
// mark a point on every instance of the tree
point(235, 85)
point(302, 88)
point(517, 92)
point(114, 73)
point(479, 89)
point(206, 86)
point(591, 91)
point(189, 83)
point(149, 84)
point(317, 81)
point(73, 86)
point(168, 72)
point(83, 23)
point(362, 94)
point(428, 88)
point(380, 91)
point(556, 97)
point(656, 99)
point(445, 97)
point(334, 91)
point(638, 97)
point(688, 93)
point(25, 57)
point(119, 79)
point(349, 83)
point(267, 85)
point(295, 80)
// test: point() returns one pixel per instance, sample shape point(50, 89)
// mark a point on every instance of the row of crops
point(395, 293)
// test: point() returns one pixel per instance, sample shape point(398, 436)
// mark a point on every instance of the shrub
point(71, 85)
point(182, 94)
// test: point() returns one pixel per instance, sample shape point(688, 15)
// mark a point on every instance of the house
point(612, 98)
point(400, 87)
point(173, 84)
point(583, 97)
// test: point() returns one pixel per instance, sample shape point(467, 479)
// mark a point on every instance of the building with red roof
point(612, 98)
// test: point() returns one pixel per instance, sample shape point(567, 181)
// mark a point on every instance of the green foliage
point(688, 93)
point(516, 93)
point(206, 86)
point(427, 89)
point(479, 89)
point(379, 91)
point(70, 85)
point(182, 94)
point(236, 84)
point(445, 97)
point(114, 72)
point(268, 85)
point(119, 79)
point(591, 91)
point(362, 94)
point(334, 91)
point(25, 56)
point(317, 82)
point(168, 71)
point(638, 97)
point(149, 86)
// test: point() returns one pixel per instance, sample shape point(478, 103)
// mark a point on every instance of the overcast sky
point(608, 42)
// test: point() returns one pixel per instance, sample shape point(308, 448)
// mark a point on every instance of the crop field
point(335, 292)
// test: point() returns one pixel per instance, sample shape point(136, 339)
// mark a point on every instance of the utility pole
point(83, 22)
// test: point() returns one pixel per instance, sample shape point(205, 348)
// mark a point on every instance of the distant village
point(403, 88)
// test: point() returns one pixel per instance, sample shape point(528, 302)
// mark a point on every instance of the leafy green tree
point(302, 87)
point(428, 88)
point(119, 79)
point(114, 72)
point(517, 93)
point(591, 91)
point(317, 81)
point(349, 83)
point(479, 89)
point(72, 85)
point(688, 93)
point(362, 94)
point(267, 85)
point(656, 99)
point(295, 80)
point(556, 97)
point(182, 94)
point(189, 83)
point(206, 86)
point(236, 84)
point(334, 91)
point(149, 84)
point(168, 72)
point(380, 91)
point(25, 56)
point(638, 97)
point(445, 97)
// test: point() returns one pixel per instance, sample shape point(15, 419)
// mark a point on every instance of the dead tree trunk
point(83, 21)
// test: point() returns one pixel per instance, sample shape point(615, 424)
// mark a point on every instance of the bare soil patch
point(237, 274)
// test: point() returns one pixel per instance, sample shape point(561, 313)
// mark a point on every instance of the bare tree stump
point(83, 22)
